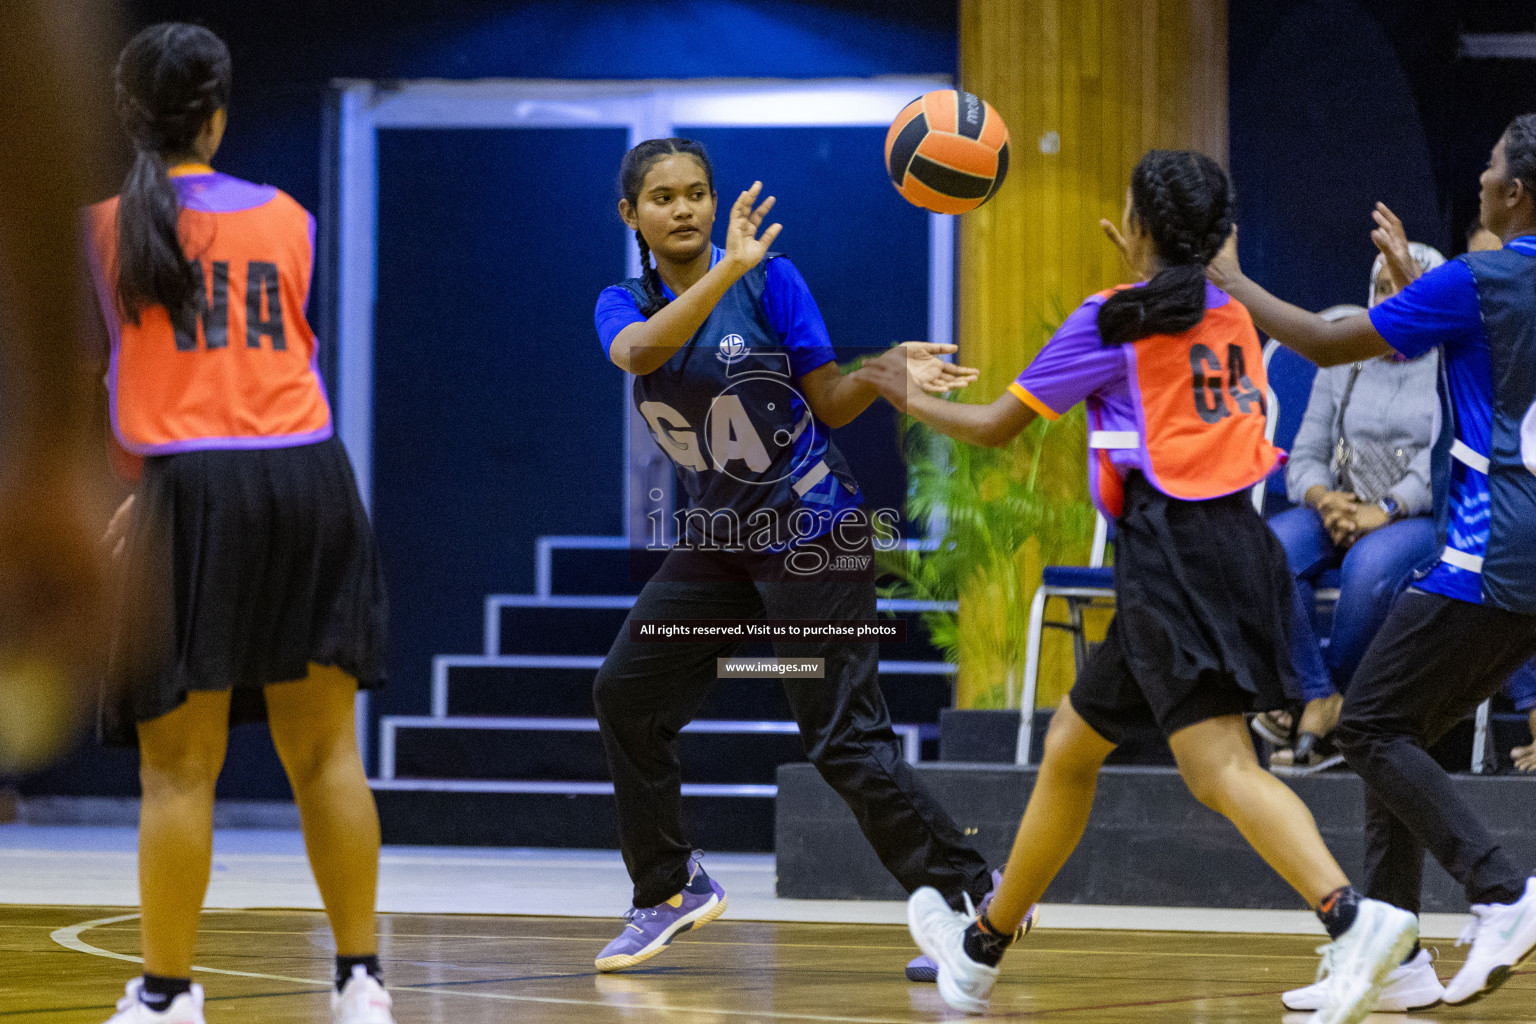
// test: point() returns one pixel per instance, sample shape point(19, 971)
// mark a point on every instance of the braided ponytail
point(637, 164)
point(170, 79)
point(1186, 201)
point(650, 279)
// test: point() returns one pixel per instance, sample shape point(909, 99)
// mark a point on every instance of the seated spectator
point(1480, 239)
point(1521, 689)
point(1359, 471)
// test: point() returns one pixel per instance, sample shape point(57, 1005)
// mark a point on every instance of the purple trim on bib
point(200, 444)
point(208, 193)
point(106, 297)
point(221, 193)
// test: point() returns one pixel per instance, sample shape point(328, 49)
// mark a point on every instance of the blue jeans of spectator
point(1521, 687)
point(1371, 574)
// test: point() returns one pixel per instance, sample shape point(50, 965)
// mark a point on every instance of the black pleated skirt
point(1202, 620)
point(242, 567)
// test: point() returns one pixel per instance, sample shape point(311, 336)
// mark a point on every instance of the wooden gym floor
point(67, 965)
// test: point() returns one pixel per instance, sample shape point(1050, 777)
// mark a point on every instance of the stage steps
point(509, 754)
point(1148, 842)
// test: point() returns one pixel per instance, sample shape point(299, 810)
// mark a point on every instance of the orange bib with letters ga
point(239, 370)
point(1200, 399)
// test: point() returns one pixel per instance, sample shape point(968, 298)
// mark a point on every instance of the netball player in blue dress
point(735, 374)
point(1453, 638)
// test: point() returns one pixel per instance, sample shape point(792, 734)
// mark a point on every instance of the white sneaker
point(964, 984)
point(1502, 935)
point(1357, 962)
point(1411, 986)
point(186, 1008)
point(362, 1000)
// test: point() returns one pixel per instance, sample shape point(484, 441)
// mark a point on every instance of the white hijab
point(1427, 257)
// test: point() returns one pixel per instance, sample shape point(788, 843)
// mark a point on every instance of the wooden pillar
point(1085, 86)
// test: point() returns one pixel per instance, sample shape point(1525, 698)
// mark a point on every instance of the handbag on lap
point(1364, 466)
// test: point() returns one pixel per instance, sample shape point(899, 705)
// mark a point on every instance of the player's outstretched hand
point(912, 368)
point(743, 247)
point(887, 376)
point(931, 373)
point(1118, 241)
point(1392, 240)
point(1224, 267)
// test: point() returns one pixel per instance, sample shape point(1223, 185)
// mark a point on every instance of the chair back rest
point(1103, 533)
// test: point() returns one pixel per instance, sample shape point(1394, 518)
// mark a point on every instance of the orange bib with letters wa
point(1201, 405)
point(239, 370)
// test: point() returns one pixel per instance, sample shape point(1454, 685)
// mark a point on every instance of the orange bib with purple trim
point(1201, 405)
point(239, 370)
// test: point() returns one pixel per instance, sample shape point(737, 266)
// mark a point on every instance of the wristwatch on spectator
point(1392, 507)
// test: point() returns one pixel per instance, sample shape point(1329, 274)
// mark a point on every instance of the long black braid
point(637, 164)
point(170, 79)
point(1186, 201)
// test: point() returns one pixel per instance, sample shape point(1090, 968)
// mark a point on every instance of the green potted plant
point(1001, 514)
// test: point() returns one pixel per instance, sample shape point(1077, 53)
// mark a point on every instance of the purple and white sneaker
point(649, 930)
point(923, 970)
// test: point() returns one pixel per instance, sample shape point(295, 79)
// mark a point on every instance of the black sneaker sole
point(923, 975)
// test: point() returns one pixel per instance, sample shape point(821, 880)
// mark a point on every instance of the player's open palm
point(743, 246)
point(1392, 240)
point(931, 373)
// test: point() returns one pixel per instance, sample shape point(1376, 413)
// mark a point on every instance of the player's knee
point(604, 690)
point(310, 757)
point(853, 757)
point(1067, 753)
point(1355, 739)
point(1218, 787)
point(188, 767)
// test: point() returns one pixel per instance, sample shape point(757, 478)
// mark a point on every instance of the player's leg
point(314, 731)
point(1216, 759)
point(1055, 817)
point(1371, 938)
point(968, 948)
point(1104, 703)
point(1394, 867)
point(644, 694)
point(845, 729)
point(1434, 660)
point(180, 756)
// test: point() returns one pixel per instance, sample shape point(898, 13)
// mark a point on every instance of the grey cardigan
point(1394, 403)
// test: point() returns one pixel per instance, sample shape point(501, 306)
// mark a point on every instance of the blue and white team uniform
point(727, 409)
point(1454, 637)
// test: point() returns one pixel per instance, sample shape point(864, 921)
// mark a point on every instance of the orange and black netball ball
point(947, 151)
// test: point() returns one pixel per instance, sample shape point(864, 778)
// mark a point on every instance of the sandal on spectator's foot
point(1275, 727)
point(1312, 754)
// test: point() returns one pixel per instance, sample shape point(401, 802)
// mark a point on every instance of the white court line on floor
point(69, 938)
point(93, 866)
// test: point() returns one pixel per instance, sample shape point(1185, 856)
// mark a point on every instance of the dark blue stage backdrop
point(493, 246)
point(1334, 104)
